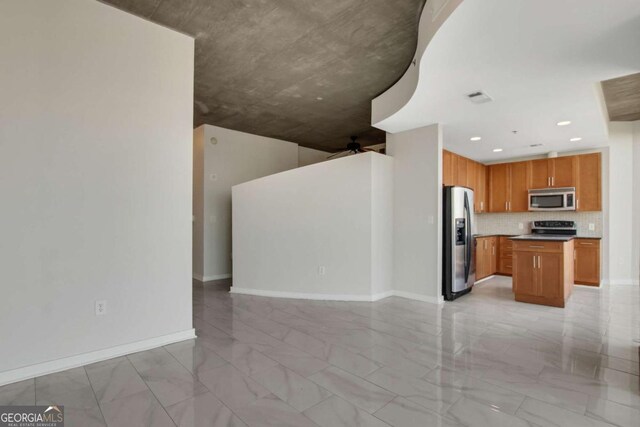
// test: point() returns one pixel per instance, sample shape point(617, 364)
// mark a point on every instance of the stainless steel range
point(549, 230)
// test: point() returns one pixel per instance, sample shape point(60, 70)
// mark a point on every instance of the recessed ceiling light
point(319, 98)
point(575, 139)
point(475, 138)
point(497, 150)
point(564, 123)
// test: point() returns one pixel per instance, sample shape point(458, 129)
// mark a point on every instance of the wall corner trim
point(52, 366)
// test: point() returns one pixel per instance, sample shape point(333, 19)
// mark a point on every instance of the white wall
point(620, 218)
point(235, 158)
point(418, 212)
point(95, 180)
point(309, 156)
point(382, 178)
point(198, 202)
point(331, 214)
point(635, 261)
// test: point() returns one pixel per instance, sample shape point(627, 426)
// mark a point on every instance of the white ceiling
point(541, 61)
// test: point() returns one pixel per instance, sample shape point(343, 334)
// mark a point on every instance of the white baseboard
point(335, 297)
point(303, 295)
point(418, 297)
point(65, 363)
point(210, 278)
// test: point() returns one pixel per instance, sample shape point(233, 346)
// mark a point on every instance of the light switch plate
point(592, 227)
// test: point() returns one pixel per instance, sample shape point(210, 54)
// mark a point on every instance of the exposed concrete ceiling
point(299, 70)
point(622, 96)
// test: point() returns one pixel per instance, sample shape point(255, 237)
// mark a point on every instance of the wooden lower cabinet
point(505, 256)
point(587, 262)
point(543, 271)
point(486, 256)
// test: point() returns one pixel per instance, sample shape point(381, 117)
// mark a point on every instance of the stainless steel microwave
point(552, 199)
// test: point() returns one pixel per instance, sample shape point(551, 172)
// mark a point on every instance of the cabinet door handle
point(536, 247)
point(548, 181)
point(534, 262)
point(539, 261)
point(553, 181)
point(578, 204)
point(585, 243)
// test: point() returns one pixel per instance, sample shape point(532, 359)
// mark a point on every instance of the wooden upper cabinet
point(589, 182)
point(540, 174)
point(480, 188)
point(471, 175)
point(554, 172)
point(461, 174)
point(563, 171)
point(498, 187)
point(519, 187)
point(448, 177)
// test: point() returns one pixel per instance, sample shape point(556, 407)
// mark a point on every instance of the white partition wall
point(95, 184)
point(418, 212)
point(321, 231)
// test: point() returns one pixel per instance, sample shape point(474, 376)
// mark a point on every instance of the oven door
point(551, 201)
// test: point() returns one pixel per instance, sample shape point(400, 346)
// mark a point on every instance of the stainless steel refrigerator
point(458, 257)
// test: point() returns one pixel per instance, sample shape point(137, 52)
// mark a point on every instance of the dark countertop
point(543, 237)
point(495, 235)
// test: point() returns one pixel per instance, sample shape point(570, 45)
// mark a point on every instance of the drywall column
point(417, 212)
point(621, 203)
point(198, 203)
point(635, 214)
point(96, 126)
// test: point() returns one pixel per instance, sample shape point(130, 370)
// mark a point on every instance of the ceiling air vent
point(535, 145)
point(479, 97)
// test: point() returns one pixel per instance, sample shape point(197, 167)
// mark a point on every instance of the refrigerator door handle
point(468, 239)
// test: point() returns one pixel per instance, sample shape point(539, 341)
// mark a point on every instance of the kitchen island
point(543, 269)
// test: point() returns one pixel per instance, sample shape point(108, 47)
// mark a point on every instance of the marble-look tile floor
point(483, 360)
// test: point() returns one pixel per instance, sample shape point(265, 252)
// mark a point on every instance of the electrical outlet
point(101, 307)
point(431, 219)
point(592, 227)
point(213, 177)
point(322, 270)
point(520, 226)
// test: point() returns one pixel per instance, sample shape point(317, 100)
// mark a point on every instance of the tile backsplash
point(508, 223)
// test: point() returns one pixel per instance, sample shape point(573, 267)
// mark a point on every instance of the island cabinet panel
point(524, 272)
point(550, 277)
point(587, 262)
point(543, 272)
point(589, 182)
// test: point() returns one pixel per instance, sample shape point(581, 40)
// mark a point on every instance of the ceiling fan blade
point(336, 154)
